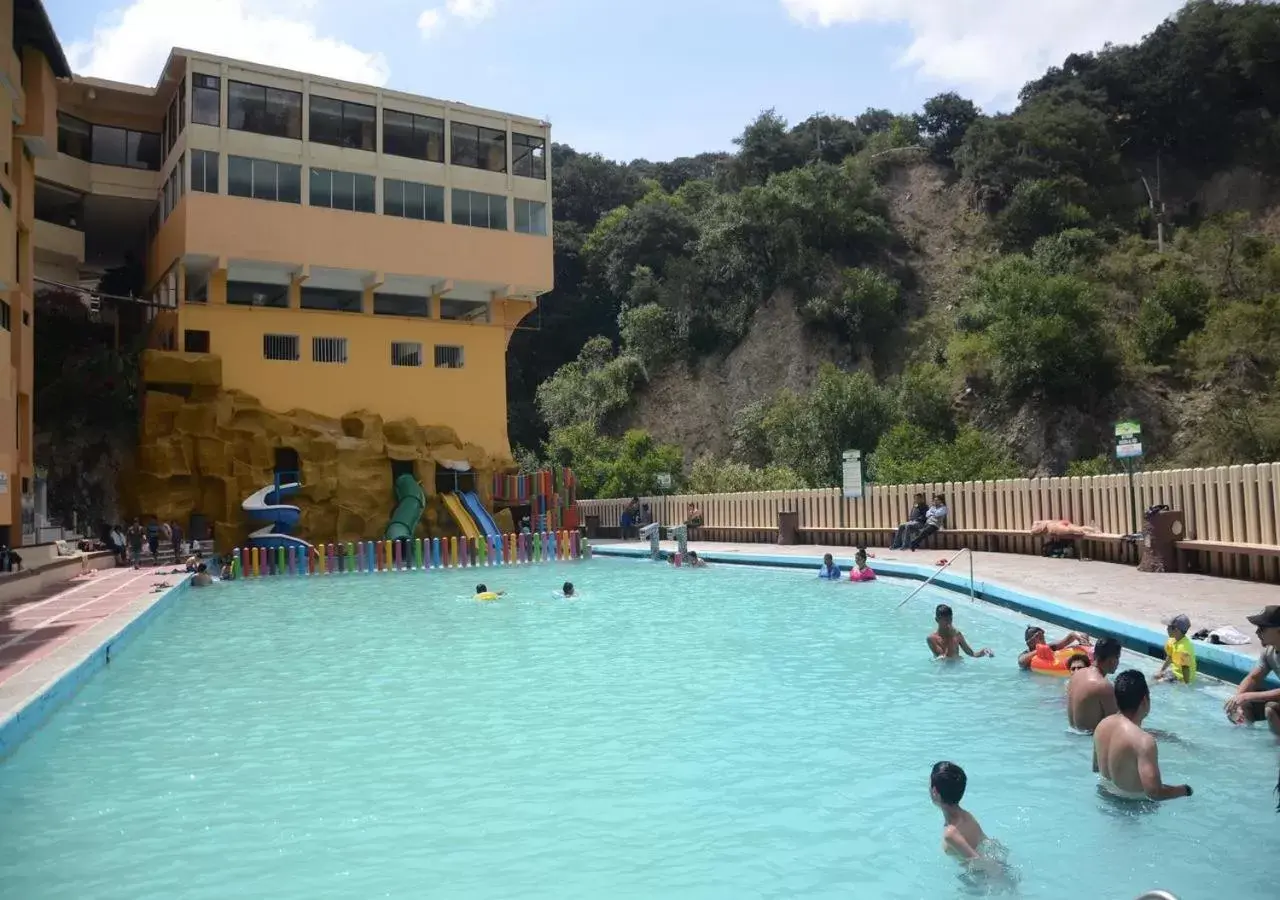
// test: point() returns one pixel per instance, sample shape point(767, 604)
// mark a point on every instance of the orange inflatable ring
point(1048, 661)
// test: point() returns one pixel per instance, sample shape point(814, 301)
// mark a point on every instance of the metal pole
point(929, 580)
point(972, 592)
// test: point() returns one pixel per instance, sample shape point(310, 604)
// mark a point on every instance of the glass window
point(143, 150)
point(329, 349)
point(280, 346)
point(448, 357)
point(206, 99)
point(412, 200)
point(264, 110)
point(479, 210)
point(182, 105)
point(255, 293)
point(331, 299)
point(456, 309)
point(414, 136)
point(406, 353)
point(264, 179)
point(110, 145)
point(479, 148)
point(343, 124)
point(528, 156)
point(401, 305)
point(531, 217)
point(204, 171)
point(342, 190)
point(169, 127)
point(74, 137)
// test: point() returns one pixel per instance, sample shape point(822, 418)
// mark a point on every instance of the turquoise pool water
point(731, 732)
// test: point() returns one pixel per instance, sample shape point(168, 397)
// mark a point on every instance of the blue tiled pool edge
point(1212, 659)
point(36, 711)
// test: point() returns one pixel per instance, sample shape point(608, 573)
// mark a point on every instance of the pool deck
point(46, 634)
point(1109, 589)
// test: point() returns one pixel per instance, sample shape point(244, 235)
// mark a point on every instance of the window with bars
point(329, 349)
point(448, 357)
point(280, 346)
point(406, 353)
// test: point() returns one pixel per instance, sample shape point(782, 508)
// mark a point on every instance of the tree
point(944, 121)
point(908, 455)
point(591, 387)
point(613, 467)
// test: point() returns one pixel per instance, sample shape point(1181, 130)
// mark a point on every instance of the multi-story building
point(318, 245)
point(32, 63)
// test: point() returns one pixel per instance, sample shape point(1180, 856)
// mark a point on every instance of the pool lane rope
point(418, 555)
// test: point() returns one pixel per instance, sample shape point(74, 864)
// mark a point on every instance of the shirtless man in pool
point(1125, 755)
point(946, 642)
point(1090, 697)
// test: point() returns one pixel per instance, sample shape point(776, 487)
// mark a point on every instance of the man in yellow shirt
point(1179, 653)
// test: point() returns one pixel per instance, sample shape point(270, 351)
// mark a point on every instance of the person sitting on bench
point(915, 522)
point(935, 518)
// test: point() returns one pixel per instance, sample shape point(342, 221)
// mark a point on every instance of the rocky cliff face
point(205, 452)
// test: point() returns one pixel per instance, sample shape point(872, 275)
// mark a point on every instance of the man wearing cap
point(1254, 701)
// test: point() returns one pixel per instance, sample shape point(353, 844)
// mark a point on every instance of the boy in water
point(962, 836)
point(1179, 654)
point(567, 590)
point(829, 571)
point(946, 642)
point(1124, 755)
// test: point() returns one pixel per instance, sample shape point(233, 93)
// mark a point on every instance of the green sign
point(1128, 439)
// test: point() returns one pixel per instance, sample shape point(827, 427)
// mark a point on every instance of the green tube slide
point(410, 501)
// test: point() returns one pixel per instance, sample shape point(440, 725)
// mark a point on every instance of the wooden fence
point(1230, 504)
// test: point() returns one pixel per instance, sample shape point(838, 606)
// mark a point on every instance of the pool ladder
point(1157, 895)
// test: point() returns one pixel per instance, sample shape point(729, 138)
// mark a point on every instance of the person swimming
point(946, 642)
point(566, 590)
point(1034, 636)
point(694, 561)
point(483, 593)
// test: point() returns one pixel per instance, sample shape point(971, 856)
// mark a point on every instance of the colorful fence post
point(573, 545)
point(372, 557)
point(453, 553)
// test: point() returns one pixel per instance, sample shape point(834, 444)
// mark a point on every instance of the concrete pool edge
point(78, 664)
point(1212, 659)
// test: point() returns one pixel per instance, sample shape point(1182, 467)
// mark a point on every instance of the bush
point(1043, 336)
point(1038, 209)
point(591, 387)
point(613, 467)
point(651, 333)
point(710, 475)
point(1068, 251)
point(862, 305)
point(924, 397)
point(908, 455)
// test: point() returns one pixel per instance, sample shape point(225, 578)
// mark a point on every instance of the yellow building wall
point(237, 228)
point(471, 400)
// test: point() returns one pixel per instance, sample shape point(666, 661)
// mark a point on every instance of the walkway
point(1118, 591)
point(44, 634)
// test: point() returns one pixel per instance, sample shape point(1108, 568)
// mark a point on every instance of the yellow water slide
point(461, 516)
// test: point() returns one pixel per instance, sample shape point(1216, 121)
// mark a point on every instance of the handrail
point(941, 569)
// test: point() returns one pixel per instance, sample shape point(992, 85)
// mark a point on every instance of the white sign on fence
point(853, 473)
point(664, 480)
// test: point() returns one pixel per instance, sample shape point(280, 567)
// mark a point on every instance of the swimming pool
point(730, 732)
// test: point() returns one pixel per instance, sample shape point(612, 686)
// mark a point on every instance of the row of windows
point(108, 145)
point(288, 348)
point(252, 293)
point(262, 179)
point(341, 123)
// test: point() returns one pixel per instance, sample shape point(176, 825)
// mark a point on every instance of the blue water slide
point(265, 506)
point(480, 514)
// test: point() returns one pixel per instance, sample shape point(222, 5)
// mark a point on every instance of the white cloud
point(471, 10)
point(993, 47)
point(429, 21)
point(131, 44)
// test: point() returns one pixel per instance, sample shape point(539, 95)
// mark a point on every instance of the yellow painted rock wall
point(207, 452)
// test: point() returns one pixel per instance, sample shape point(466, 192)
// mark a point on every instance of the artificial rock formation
point(204, 453)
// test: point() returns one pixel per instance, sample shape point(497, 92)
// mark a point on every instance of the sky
point(629, 79)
